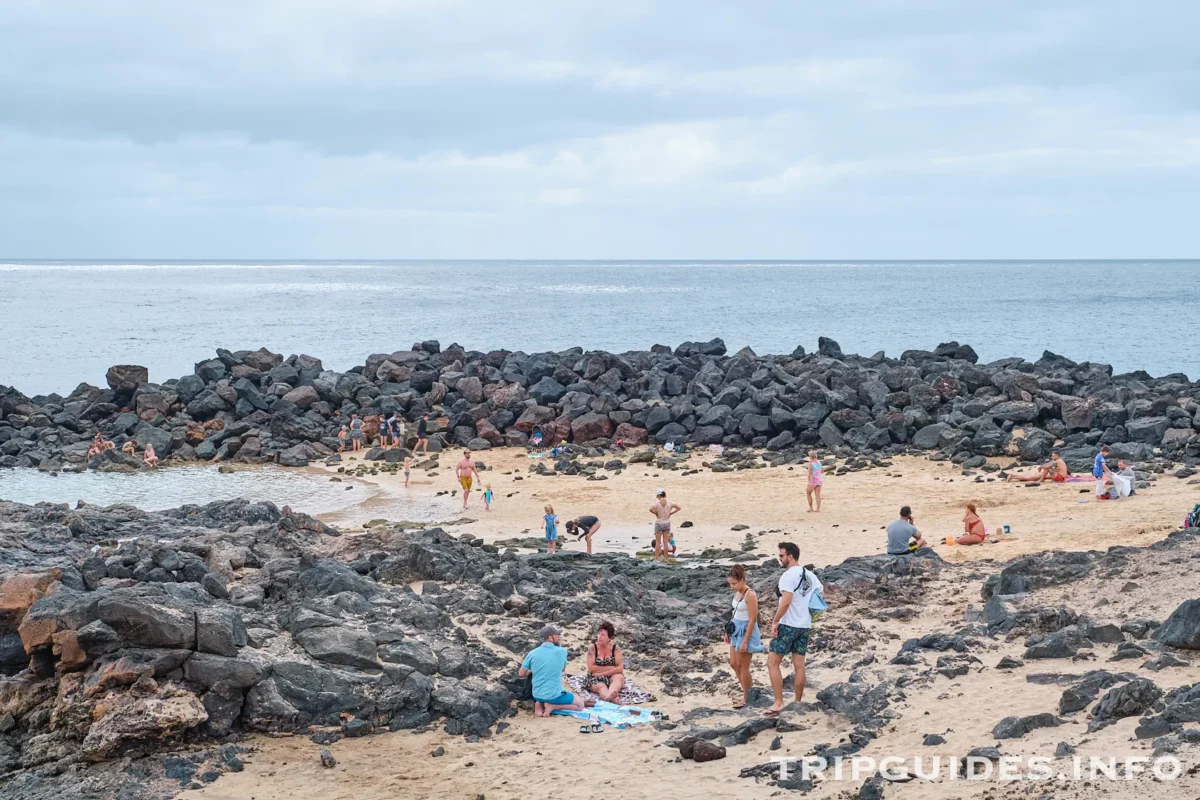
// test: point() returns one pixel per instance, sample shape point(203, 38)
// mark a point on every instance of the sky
point(292, 129)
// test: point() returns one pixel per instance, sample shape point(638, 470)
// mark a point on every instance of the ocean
point(63, 322)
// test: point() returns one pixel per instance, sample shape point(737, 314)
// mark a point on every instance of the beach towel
point(612, 714)
point(631, 694)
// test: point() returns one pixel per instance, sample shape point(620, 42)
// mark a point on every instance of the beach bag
point(816, 598)
point(1193, 519)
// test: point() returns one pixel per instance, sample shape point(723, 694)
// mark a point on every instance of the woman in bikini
point(816, 479)
point(973, 525)
point(745, 639)
point(605, 664)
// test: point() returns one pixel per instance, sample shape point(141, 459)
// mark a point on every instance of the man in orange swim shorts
point(466, 472)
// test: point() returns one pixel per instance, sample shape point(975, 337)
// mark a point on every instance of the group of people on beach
point(391, 432)
point(586, 526)
point(790, 631)
point(1109, 485)
point(100, 445)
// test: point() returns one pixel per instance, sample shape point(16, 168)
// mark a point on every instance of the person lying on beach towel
point(1055, 471)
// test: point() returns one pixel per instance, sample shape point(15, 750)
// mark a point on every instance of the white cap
point(662, 493)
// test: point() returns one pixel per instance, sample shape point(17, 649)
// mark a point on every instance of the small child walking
point(551, 529)
point(343, 434)
point(407, 469)
point(487, 498)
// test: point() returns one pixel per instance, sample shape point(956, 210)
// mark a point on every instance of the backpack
point(816, 599)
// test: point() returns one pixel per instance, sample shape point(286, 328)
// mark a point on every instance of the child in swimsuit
point(551, 520)
point(487, 498)
point(407, 467)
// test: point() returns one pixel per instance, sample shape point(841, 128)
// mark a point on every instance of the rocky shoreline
point(156, 640)
point(258, 406)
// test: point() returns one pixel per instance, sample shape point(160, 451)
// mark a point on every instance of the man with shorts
point(792, 623)
point(903, 536)
point(662, 511)
point(465, 471)
point(546, 663)
point(422, 435)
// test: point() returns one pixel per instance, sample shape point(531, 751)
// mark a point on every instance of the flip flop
point(770, 712)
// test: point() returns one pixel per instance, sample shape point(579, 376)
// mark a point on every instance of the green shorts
point(790, 641)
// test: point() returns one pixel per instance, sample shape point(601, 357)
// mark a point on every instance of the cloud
point(365, 128)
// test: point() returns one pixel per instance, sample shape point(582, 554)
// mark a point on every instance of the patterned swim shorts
point(790, 641)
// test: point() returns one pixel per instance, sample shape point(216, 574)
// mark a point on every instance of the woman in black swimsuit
point(583, 528)
point(605, 664)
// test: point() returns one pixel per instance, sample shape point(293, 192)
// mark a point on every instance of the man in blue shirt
point(546, 663)
point(1101, 473)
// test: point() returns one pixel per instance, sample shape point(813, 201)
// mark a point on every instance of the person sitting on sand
point(129, 448)
point(1123, 480)
point(605, 664)
point(662, 511)
point(551, 521)
point(975, 533)
point(546, 663)
point(465, 470)
point(816, 479)
point(583, 528)
point(746, 639)
point(150, 458)
point(903, 536)
point(343, 437)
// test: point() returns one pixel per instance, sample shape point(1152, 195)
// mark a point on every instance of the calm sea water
point(63, 322)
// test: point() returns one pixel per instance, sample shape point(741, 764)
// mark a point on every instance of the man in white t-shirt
point(793, 620)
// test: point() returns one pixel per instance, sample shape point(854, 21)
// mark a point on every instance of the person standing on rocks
point(816, 479)
point(466, 472)
point(743, 636)
point(903, 536)
point(792, 624)
point(583, 528)
point(384, 433)
point(422, 435)
point(393, 423)
point(546, 663)
point(662, 511)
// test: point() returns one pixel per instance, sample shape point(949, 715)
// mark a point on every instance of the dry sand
point(855, 507)
point(548, 758)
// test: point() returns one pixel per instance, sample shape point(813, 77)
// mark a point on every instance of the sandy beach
point(771, 501)
point(534, 757)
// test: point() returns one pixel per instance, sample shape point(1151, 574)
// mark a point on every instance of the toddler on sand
point(551, 529)
point(487, 498)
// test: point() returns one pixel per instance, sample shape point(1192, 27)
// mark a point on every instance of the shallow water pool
point(169, 487)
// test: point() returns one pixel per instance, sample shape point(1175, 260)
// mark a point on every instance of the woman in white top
point(745, 639)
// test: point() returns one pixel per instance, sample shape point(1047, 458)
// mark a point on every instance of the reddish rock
point(591, 426)
point(70, 655)
point(532, 417)
point(302, 396)
point(214, 425)
point(632, 435)
point(20, 592)
point(125, 378)
point(195, 435)
point(947, 387)
point(557, 431)
point(487, 430)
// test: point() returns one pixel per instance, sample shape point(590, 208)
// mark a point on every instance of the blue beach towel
point(613, 714)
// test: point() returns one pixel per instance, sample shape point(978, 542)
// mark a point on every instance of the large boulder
point(302, 397)
point(126, 378)
point(339, 645)
point(591, 426)
point(928, 437)
point(1182, 628)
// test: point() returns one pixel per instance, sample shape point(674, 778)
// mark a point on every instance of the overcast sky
point(615, 129)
